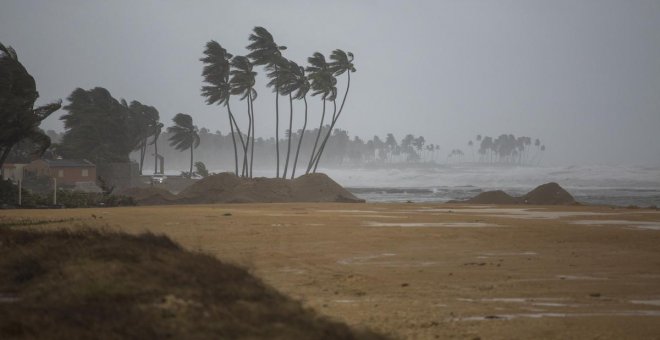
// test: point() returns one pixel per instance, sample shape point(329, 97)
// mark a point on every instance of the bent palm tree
point(184, 135)
point(296, 85)
point(216, 74)
point(264, 51)
point(242, 83)
point(342, 63)
point(322, 83)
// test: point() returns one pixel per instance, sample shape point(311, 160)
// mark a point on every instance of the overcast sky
point(583, 76)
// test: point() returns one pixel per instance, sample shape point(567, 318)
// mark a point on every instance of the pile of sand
point(150, 195)
point(493, 197)
point(228, 188)
point(546, 194)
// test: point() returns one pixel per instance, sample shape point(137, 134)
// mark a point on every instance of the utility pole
point(54, 191)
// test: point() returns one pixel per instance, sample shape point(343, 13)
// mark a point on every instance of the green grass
point(86, 283)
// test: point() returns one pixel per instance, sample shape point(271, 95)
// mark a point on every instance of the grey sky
point(584, 76)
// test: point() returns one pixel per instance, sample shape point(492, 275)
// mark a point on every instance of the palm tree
point(342, 62)
point(295, 84)
point(323, 83)
point(264, 51)
point(216, 73)
point(184, 135)
point(242, 83)
point(19, 119)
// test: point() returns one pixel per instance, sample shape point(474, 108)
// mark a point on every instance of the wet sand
point(431, 270)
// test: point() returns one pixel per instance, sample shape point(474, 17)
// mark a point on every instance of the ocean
point(608, 185)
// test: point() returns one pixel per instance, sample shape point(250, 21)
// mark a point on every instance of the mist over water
point(611, 185)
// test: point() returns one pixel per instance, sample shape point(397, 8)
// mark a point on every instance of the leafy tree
point(100, 128)
point(184, 135)
point(264, 51)
point(19, 119)
point(200, 169)
point(146, 119)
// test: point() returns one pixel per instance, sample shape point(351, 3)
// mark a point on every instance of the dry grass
point(90, 283)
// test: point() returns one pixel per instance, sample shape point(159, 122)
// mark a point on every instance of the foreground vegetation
point(115, 285)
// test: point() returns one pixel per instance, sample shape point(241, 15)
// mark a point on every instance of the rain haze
point(583, 76)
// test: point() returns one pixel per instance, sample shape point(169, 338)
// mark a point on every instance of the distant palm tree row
point(226, 75)
point(508, 149)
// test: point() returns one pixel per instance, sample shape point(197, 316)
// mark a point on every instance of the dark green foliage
point(102, 129)
point(200, 169)
point(19, 119)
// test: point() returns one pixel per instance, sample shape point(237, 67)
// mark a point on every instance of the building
point(66, 171)
point(13, 172)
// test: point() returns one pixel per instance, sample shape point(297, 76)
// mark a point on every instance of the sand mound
point(548, 194)
point(228, 188)
point(493, 197)
point(150, 195)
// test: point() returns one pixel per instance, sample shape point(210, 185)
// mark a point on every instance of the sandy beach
point(429, 270)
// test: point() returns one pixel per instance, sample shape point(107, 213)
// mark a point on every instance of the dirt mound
point(229, 188)
point(493, 197)
point(150, 196)
point(548, 194)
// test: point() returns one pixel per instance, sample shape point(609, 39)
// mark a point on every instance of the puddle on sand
point(559, 315)
point(432, 224)
point(646, 302)
point(517, 212)
point(363, 259)
point(353, 211)
point(581, 277)
point(630, 224)
point(376, 260)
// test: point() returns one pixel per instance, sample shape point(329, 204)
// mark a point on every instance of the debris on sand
point(150, 195)
point(546, 194)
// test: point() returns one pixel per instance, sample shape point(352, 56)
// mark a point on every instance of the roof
point(68, 163)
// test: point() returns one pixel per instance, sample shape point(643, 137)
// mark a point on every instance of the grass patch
point(90, 283)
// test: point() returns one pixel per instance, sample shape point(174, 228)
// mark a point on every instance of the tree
point(216, 73)
point(19, 119)
point(323, 83)
point(264, 51)
point(342, 62)
point(184, 135)
point(98, 127)
point(200, 169)
point(242, 83)
point(295, 84)
point(146, 119)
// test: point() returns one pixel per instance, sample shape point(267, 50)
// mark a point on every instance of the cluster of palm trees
point(226, 75)
point(508, 149)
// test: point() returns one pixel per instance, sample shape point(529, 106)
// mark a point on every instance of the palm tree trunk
point(318, 134)
point(246, 163)
point(143, 151)
point(277, 122)
point(334, 120)
point(295, 161)
point(3, 158)
point(327, 136)
point(288, 151)
point(233, 139)
point(156, 154)
point(191, 160)
point(252, 145)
